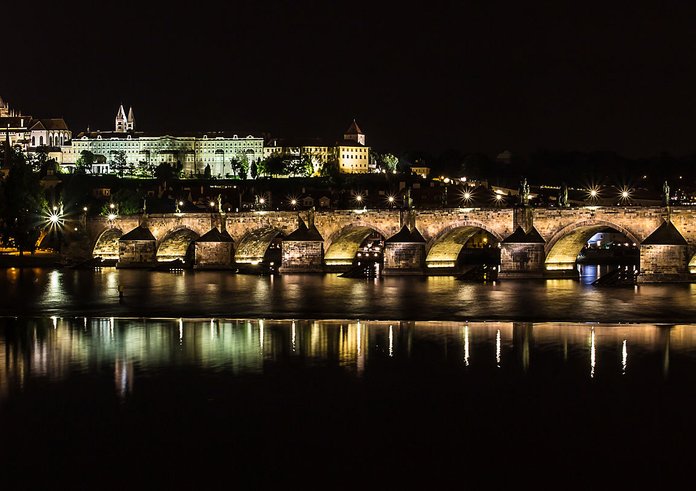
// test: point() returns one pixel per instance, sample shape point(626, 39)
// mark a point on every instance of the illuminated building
point(351, 153)
point(29, 134)
point(193, 152)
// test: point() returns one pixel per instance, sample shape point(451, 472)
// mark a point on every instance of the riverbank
point(10, 258)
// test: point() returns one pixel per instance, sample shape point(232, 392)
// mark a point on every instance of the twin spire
point(123, 123)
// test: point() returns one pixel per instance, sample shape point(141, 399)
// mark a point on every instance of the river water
point(220, 294)
point(202, 380)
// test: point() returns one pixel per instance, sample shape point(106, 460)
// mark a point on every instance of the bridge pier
point(303, 250)
point(522, 255)
point(404, 253)
point(213, 250)
point(664, 256)
point(137, 249)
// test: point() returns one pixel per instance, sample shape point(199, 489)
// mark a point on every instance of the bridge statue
point(665, 194)
point(563, 195)
point(523, 191)
point(219, 202)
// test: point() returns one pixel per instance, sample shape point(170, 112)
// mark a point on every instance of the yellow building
point(353, 156)
point(351, 153)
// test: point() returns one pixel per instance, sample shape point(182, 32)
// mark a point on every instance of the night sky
point(475, 76)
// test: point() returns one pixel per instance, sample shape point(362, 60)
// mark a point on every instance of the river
point(211, 380)
point(220, 294)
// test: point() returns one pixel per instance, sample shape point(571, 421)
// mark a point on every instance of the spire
point(120, 119)
point(131, 119)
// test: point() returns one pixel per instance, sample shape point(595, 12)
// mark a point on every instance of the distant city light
point(212, 204)
point(112, 206)
point(111, 216)
point(262, 200)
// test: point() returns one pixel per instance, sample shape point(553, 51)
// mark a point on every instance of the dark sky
point(477, 76)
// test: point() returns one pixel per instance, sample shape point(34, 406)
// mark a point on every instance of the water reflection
point(55, 348)
point(157, 294)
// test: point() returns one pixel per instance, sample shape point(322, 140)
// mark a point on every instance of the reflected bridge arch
point(563, 248)
point(177, 244)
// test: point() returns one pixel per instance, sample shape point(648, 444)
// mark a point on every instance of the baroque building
point(191, 152)
point(351, 153)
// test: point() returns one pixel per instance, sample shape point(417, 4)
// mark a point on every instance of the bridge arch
point(443, 250)
point(177, 244)
point(254, 245)
point(106, 245)
point(343, 245)
point(563, 248)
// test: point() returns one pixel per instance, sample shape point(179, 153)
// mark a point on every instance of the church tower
point(121, 121)
point(354, 133)
point(130, 125)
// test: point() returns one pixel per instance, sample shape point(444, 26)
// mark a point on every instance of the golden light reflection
point(261, 335)
point(294, 336)
point(391, 341)
point(593, 354)
point(466, 345)
point(56, 348)
point(497, 348)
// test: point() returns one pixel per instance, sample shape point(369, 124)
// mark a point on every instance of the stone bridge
point(533, 241)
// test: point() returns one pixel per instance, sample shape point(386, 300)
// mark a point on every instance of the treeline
point(556, 167)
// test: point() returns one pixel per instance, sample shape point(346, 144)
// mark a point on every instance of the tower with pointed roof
point(354, 133)
point(121, 120)
point(130, 124)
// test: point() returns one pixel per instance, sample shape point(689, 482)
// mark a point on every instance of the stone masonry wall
point(302, 256)
point(403, 257)
point(213, 254)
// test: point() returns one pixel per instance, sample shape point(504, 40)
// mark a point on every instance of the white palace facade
point(193, 152)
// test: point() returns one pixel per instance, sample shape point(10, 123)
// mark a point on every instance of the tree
point(254, 170)
point(21, 205)
point(39, 159)
point(164, 172)
point(331, 168)
point(275, 165)
point(129, 202)
point(119, 162)
point(388, 162)
point(85, 161)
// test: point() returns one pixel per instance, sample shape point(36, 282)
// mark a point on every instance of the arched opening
point(354, 245)
point(463, 248)
point(593, 251)
point(178, 244)
point(106, 246)
point(260, 248)
point(692, 264)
